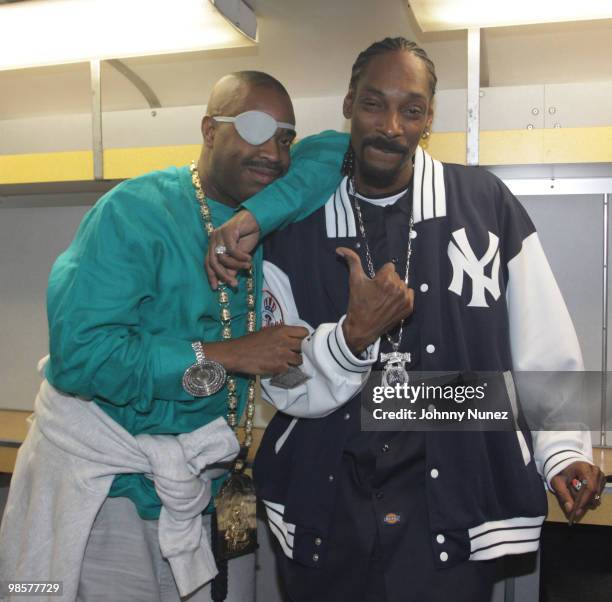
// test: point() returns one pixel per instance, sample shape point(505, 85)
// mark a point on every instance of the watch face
point(204, 379)
point(201, 375)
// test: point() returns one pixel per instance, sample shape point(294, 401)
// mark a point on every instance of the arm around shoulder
point(312, 177)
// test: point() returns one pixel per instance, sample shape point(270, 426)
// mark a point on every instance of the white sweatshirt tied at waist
point(64, 472)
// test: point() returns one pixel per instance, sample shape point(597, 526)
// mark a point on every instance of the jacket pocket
point(283, 438)
point(514, 405)
point(524, 447)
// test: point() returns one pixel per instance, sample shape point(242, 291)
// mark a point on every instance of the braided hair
point(392, 45)
point(364, 57)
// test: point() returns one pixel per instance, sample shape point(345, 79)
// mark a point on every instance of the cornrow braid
point(391, 45)
point(348, 163)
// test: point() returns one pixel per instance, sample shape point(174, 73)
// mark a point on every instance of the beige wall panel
point(578, 105)
point(510, 107)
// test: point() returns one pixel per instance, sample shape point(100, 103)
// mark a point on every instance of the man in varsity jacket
point(402, 516)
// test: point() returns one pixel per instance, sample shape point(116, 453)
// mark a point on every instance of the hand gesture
point(239, 236)
point(375, 305)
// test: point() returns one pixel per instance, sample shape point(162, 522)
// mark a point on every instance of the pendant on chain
point(395, 372)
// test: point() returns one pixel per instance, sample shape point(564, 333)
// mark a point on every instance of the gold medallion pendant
point(235, 532)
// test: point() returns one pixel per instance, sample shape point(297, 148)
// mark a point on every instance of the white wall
point(30, 240)
point(502, 108)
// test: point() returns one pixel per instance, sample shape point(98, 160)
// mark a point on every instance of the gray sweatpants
point(123, 562)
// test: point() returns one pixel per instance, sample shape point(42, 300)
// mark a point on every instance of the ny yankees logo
point(463, 260)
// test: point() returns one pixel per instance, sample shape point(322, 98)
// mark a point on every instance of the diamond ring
point(220, 250)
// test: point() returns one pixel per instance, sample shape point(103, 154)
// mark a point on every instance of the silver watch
point(205, 377)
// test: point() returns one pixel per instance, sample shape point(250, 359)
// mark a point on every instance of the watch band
point(198, 349)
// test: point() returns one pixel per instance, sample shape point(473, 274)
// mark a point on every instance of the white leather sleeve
point(335, 374)
point(543, 338)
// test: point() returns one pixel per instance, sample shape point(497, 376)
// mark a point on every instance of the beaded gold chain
point(225, 316)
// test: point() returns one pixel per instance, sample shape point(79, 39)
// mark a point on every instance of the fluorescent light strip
point(36, 33)
point(442, 15)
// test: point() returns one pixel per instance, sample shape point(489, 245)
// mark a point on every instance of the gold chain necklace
point(226, 322)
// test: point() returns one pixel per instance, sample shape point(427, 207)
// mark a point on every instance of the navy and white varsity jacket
point(489, 302)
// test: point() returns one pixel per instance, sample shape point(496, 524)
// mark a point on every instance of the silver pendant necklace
point(394, 372)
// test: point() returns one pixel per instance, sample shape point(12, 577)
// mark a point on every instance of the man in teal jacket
point(135, 327)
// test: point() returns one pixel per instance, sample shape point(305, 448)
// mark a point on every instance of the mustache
point(385, 145)
point(274, 166)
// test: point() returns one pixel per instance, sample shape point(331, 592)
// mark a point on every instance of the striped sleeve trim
point(280, 536)
point(283, 531)
point(559, 455)
point(505, 524)
point(505, 548)
point(556, 462)
point(343, 356)
point(511, 536)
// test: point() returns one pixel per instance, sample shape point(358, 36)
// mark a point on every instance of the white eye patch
point(256, 127)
